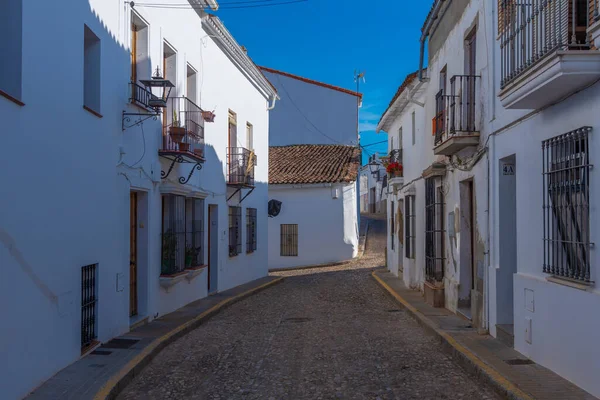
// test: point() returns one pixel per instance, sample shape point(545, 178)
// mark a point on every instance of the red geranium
point(394, 168)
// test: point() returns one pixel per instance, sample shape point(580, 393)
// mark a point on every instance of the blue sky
point(327, 40)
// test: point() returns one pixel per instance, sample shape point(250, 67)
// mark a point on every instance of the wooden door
point(133, 292)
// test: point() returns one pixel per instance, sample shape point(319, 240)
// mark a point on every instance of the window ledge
point(570, 283)
point(193, 272)
point(11, 98)
point(168, 281)
point(97, 114)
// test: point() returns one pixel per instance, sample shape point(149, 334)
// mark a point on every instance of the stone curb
point(334, 264)
point(133, 368)
point(467, 359)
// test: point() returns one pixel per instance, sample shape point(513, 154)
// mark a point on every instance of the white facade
point(322, 120)
point(69, 202)
point(372, 190)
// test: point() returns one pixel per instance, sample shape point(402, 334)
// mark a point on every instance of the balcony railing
point(240, 166)
point(530, 30)
point(396, 156)
point(183, 128)
point(456, 112)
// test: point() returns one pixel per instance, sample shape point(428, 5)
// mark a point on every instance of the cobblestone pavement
point(324, 333)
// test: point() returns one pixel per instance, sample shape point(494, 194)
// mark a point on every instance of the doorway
point(213, 248)
point(133, 254)
point(507, 236)
point(466, 250)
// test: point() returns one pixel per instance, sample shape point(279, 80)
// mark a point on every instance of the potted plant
point(176, 131)
point(169, 248)
point(394, 169)
point(208, 116)
point(191, 255)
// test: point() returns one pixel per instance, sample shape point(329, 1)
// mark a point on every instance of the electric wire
point(221, 7)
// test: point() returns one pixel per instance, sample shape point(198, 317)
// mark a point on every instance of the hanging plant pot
point(208, 116)
point(184, 146)
point(177, 133)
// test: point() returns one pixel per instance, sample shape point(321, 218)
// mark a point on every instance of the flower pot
point(199, 152)
point(177, 133)
point(208, 116)
point(184, 146)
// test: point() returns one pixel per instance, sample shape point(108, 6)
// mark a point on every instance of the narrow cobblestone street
point(321, 334)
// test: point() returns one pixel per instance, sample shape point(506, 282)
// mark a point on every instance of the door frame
point(133, 255)
point(213, 257)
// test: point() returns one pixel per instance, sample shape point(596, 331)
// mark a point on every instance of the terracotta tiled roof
point(409, 79)
point(311, 81)
point(313, 163)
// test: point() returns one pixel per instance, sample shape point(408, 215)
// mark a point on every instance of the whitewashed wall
point(327, 227)
point(69, 200)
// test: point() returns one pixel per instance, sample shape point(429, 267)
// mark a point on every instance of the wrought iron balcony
point(455, 125)
point(240, 167)
point(141, 96)
point(546, 52)
point(396, 156)
point(183, 129)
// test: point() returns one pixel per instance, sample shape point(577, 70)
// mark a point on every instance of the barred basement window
point(434, 232)
point(182, 234)
point(409, 226)
point(89, 318)
point(235, 232)
point(289, 240)
point(392, 228)
point(566, 168)
point(250, 230)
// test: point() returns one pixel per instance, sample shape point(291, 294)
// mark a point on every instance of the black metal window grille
point(409, 226)
point(88, 305)
point(530, 30)
point(235, 231)
point(250, 230)
point(566, 205)
point(434, 232)
point(289, 240)
point(392, 225)
point(182, 234)
point(240, 166)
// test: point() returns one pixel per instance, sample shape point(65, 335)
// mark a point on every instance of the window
point(443, 79)
point(192, 87)
point(235, 232)
point(170, 66)
point(250, 230)
point(289, 240)
point(566, 202)
point(182, 234)
point(409, 226)
point(249, 136)
point(11, 47)
point(392, 227)
point(140, 64)
point(391, 143)
point(434, 231)
point(91, 71)
point(414, 129)
point(89, 299)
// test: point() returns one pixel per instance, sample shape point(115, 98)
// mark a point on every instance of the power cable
point(221, 7)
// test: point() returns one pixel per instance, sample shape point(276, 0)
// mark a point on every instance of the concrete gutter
point(121, 379)
point(467, 359)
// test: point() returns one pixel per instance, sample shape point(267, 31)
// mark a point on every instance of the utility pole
point(358, 75)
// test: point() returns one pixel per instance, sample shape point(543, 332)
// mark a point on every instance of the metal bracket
point(247, 194)
point(238, 190)
point(142, 117)
point(179, 159)
point(234, 193)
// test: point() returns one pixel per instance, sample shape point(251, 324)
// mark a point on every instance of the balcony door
point(469, 82)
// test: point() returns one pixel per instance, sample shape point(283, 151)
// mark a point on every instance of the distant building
point(313, 171)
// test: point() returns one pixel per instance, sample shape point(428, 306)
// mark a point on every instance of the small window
point(91, 71)
point(409, 226)
point(566, 205)
point(170, 66)
point(392, 227)
point(140, 63)
point(414, 129)
point(89, 300)
point(289, 240)
point(249, 136)
point(11, 47)
point(250, 230)
point(235, 232)
point(391, 143)
point(443, 79)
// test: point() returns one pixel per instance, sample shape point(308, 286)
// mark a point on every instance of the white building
point(93, 239)
point(543, 269)
point(373, 181)
point(496, 207)
point(313, 172)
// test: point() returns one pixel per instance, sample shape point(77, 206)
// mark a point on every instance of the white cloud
point(366, 126)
